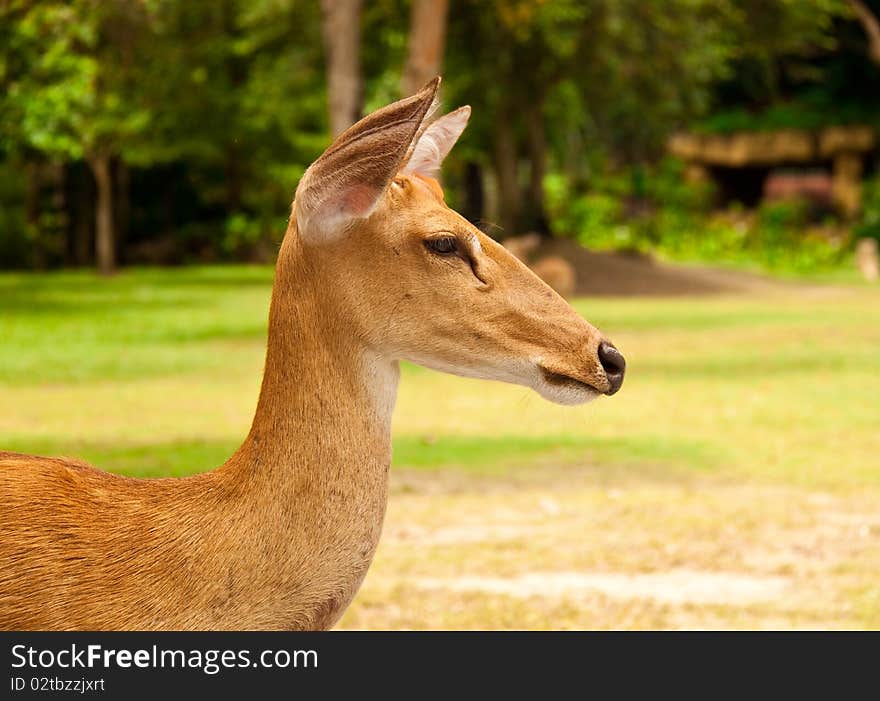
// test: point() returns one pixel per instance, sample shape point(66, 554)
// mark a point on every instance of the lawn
point(733, 482)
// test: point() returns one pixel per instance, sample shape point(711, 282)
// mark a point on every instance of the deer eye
point(442, 245)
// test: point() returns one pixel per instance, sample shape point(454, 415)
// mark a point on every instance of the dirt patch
point(633, 274)
point(678, 587)
point(581, 553)
point(457, 535)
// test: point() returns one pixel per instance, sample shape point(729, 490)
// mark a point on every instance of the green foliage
point(245, 236)
point(777, 239)
point(673, 218)
point(16, 237)
point(601, 70)
point(229, 97)
point(804, 114)
point(592, 218)
point(69, 75)
point(234, 90)
point(869, 220)
point(780, 239)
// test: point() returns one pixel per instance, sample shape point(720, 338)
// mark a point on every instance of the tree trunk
point(105, 234)
point(342, 39)
point(535, 214)
point(871, 25)
point(427, 41)
point(506, 166)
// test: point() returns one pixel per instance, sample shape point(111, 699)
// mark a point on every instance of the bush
point(781, 239)
point(673, 218)
point(17, 239)
point(589, 218)
point(869, 221)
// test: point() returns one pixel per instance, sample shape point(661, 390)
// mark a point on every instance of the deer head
point(416, 281)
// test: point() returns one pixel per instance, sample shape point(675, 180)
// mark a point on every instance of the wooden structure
point(843, 150)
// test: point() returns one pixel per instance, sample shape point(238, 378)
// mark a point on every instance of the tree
point(613, 77)
point(871, 25)
point(523, 51)
point(342, 44)
point(214, 110)
point(426, 43)
point(72, 90)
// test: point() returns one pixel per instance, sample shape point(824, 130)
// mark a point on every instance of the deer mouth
point(565, 389)
point(559, 380)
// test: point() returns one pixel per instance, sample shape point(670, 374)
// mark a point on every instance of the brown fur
point(523, 246)
point(282, 534)
point(867, 259)
point(556, 272)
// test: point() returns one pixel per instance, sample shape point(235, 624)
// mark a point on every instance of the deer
point(867, 259)
point(554, 270)
point(374, 269)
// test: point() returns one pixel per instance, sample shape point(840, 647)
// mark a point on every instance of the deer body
point(557, 272)
point(280, 536)
point(374, 268)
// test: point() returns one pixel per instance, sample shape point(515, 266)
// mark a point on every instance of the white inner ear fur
point(436, 141)
point(336, 211)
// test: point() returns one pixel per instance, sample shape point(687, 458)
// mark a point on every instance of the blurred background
point(700, 178)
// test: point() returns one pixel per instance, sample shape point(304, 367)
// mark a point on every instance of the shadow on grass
point(650, 457)
point(230, 274)
point(497, 455)
point(40, 301)
point(135, 289)
point(171, 459)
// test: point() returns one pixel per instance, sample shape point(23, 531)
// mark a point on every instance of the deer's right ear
point(348, 179)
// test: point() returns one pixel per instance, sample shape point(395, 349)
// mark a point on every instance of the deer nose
point(614, 365)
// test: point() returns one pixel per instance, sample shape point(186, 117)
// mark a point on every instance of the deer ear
point(436, 141)
point(347, 180)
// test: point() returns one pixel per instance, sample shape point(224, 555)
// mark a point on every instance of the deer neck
point(315, 464)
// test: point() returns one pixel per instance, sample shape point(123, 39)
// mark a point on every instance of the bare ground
point(630, 274)
point(563, 552)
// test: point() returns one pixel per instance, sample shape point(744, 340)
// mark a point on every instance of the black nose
point(614, 365)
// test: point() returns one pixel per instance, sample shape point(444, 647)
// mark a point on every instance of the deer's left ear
point(347, 181)
point(436, 141)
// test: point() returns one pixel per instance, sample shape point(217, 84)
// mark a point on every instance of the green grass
point(140, 324)
point(156, 372)
point(742, 446)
